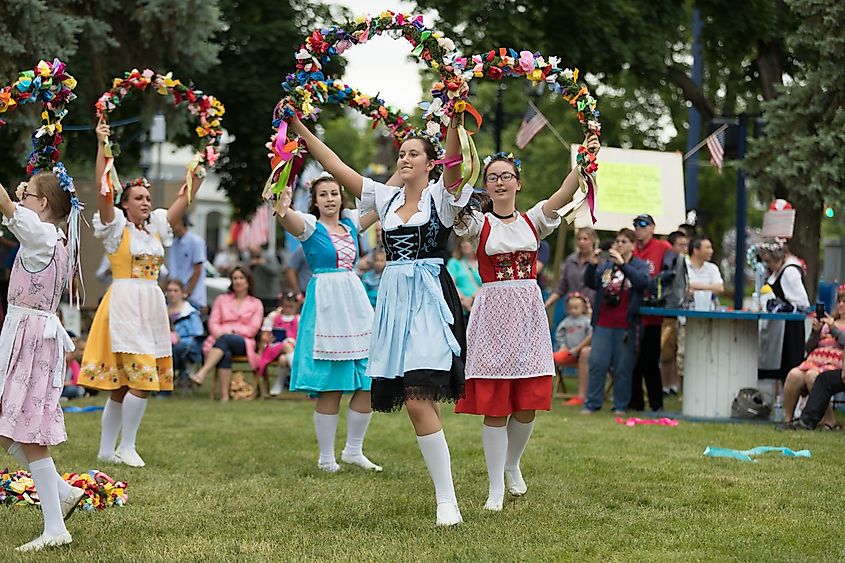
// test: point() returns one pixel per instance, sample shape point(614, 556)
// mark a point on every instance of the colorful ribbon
point(745, 455)
point(634, 421)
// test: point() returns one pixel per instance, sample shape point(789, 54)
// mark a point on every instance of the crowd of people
point(404, 326)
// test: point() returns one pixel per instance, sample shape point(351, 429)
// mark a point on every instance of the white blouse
point(509, 237)
point(311, 221)
point(376, 196)
point(791, 283)
point(140, 241)
point(37, 238)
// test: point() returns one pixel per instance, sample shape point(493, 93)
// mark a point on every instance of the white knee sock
point(325, 426)
point(518, 436)
point(356, 429)
point(44, 476)
point(435, 452)
point(111, 427)
point(495, 440)
point(16, 451)
point(133, 412)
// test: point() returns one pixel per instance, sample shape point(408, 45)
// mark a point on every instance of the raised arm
point(329, 160)
point(291, 222)
point(564, 193)
point(177, 209)
point(7, 206)
point(105, 203)
point(452, 174)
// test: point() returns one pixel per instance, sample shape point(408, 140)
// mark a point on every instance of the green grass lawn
point(239, 482)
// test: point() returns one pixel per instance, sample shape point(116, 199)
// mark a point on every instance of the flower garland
point(50, 85)
point(502, 63)
point(101, 491)
point(206, 108)
point(308, 88)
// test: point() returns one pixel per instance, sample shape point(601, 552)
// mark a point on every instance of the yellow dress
point(129, 341)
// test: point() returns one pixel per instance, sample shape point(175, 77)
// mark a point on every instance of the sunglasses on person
point(641, 223)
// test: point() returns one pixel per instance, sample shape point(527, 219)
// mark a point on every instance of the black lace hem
point(389, 395)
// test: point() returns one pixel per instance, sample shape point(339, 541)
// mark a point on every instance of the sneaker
point(70, 502)
point(43, 541)
point(129, 457)
point(574, 402)
point(448, 514)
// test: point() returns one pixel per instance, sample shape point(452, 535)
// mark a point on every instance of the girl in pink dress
point(34, 342)
point(278, 334)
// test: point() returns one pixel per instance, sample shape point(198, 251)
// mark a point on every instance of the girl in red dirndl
point(509, 362)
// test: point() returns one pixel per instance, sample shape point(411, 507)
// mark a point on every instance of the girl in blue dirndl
point(418, 340)
point(330, 357)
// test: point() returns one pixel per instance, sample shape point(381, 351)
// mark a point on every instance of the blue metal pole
point(693, 117)
point(741, 217)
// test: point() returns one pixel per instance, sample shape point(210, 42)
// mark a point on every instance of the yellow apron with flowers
point(102, 367)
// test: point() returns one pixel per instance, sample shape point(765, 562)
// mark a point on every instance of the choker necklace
point(508, 216)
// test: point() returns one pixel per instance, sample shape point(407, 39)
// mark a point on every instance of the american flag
point(717, 151)
point(532, 122)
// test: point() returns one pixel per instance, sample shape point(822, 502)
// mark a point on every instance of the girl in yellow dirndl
point(128, 351)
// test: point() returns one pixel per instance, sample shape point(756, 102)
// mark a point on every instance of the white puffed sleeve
point(160, 224)
point(353, 215)
point(543, 224)
point(37, 238)
point(110, 233)
point(310, 224)
point(448, 206)
point(375, 196)
point(470, 227)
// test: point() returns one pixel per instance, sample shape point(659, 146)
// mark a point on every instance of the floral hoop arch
point(50, 85)
point(207, 109)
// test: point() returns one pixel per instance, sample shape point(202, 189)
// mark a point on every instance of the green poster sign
point(630, 189)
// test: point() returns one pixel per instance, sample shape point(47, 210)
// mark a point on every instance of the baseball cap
point(643, 218)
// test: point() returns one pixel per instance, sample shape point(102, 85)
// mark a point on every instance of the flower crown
point(430, 136)
point(143, 182)
point(517, 163)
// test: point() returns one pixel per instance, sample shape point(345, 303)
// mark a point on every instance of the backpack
point(669, 288)
point(749, 404)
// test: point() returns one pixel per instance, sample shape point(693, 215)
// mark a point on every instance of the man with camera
point(619, 282)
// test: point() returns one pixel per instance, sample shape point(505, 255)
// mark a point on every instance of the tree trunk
point(805, 241)
point(770, 65)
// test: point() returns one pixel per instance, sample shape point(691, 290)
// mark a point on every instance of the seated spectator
point(186, 329)
point(72, 389)
point(824, 348)
point(573, 336)
point(825, 387)
point(278, 339)
point(233, 325)
point(372, 277)
point(619, 283)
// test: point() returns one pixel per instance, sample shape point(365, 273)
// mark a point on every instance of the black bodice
point(429, 240)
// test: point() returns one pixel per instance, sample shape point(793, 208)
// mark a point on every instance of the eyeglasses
point(25, 194)
point(504, 177)
point(641, 223)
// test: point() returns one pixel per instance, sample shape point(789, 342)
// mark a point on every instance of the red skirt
point(502, 397)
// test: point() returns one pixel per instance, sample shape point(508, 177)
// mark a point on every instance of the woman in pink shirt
point(235, 321)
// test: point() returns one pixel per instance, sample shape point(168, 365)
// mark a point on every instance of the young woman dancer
point(509, 354)
point(33, 343)
point(333, 337)
point(418, 341)
point(128, 351)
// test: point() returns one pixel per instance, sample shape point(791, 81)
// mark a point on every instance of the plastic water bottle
point(777, 412)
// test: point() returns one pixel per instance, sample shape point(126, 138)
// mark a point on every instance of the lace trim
point(393, 402)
